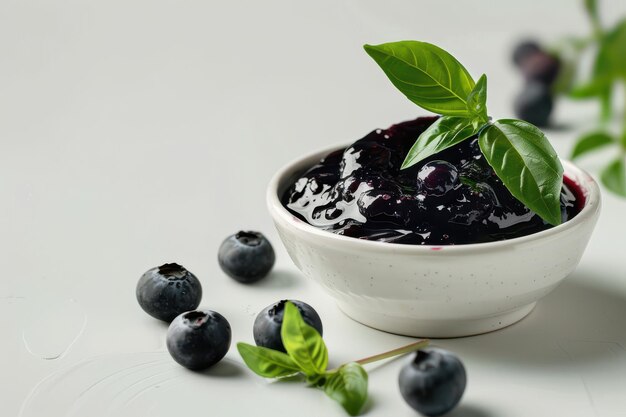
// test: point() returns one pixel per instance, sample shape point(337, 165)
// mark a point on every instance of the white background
point(135, 133)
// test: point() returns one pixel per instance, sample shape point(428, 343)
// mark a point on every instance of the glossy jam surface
point(453, 197)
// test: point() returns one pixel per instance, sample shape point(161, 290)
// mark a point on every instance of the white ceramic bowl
point(434, 291)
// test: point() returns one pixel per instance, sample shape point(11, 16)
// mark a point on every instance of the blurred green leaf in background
point(608, 71)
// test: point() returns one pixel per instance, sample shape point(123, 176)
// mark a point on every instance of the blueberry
point(433, 382)
point(168, 290)
point(268, 322)
point(541, 67)
point(534, 104)
point(246, 256)
point(523, 50)
point(198, 339)
point(437, 177)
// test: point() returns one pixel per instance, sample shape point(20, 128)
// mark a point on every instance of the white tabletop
point(140, 132)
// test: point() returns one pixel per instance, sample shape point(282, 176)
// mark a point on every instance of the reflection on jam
point(453, 197)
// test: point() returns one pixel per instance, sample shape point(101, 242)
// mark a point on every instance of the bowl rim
point(590, 211)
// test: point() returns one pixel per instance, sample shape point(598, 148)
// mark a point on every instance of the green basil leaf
point(266, 362)
point(426, 74)
point(609, 66)
point(447, 131)
point(611, 58)
point(590, 142)
point(477, 100)
point(348, 386)
point(316, 380)
point(602, 77)
point(524, 160)
point(303, 343)
point(614, 177)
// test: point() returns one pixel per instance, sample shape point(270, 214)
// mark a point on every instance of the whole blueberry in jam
point(453, 197)
point(437, 177)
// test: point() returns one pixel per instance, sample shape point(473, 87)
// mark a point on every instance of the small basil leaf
point(524, 160)
point(266, 362)
point(477, 99)
point(426, 74)
point(348, 386)
point(303, 343)
point(590, 142)
point(447, 131)
point(614, 177)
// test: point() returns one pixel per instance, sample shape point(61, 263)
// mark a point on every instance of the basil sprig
point(609, 70)
point(307, 355)
point(519, 153)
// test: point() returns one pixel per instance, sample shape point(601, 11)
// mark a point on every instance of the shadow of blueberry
point(470, 410)
point(226, 368)
point(279, 279)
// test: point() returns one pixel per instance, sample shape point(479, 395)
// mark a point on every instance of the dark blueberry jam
point(453, 197)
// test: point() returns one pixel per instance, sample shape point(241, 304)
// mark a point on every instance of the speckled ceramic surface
point(435, 291)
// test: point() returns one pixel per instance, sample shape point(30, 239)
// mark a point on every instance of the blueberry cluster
point(453, 197)
point(199, 338)
point(196, 338)
point(540, 69)
point(432, 383)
